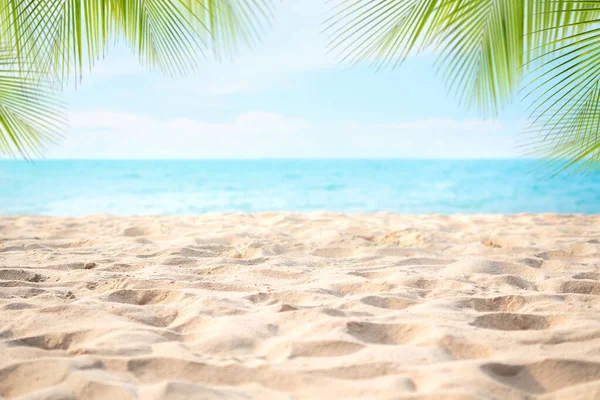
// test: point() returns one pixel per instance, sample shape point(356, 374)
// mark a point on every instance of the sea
point(190, 187)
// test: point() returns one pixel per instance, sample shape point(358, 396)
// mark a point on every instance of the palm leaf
point(68, 36)
point(480, 42)
point(233, 24)
point(30, 114)
point(487, 50)
point(383, 32)
point(565, 84)
point(61, 39)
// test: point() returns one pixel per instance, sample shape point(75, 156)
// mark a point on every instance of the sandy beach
point(292, 306)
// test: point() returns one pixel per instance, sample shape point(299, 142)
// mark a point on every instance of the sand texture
point(290, 306)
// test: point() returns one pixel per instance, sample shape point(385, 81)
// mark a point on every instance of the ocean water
point(66, 188)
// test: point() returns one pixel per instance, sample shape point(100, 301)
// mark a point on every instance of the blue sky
point(286, 98)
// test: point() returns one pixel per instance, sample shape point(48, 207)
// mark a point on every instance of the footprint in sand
point(511, 322)
point(391, 334)
point(544, 376)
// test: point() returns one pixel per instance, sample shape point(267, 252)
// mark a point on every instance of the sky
point(286, 98)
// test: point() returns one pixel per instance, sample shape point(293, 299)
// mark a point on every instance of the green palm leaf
point(30, 115)
point(63, 38)
point(480, 42)
point(566, 96)
point(487, 50)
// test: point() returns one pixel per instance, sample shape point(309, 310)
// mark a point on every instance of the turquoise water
point(194, 187)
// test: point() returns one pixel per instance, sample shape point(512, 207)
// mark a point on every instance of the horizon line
point(34, 160)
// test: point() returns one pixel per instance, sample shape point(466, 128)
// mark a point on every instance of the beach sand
point(291, 306)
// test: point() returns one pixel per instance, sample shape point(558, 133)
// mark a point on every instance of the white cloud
point(256, 134)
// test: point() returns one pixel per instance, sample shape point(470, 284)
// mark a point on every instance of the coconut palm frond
point(487, 50)
point(564, 87)
point(31, 116)
point(233, 24)
point(58, 40)
point(480, 43)
point(68, 36)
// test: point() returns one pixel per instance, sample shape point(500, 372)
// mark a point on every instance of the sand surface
point(289, 306)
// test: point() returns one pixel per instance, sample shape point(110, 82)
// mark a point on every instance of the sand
point(290, 306)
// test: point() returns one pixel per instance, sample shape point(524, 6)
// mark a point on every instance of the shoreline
point(302, 213)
